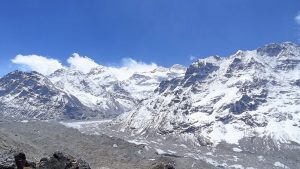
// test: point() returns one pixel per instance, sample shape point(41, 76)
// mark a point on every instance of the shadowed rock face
point(271, 49)
point(245, 103)
point(297, 82)
point(197, 72)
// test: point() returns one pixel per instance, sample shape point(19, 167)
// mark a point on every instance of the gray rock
point(60, 160)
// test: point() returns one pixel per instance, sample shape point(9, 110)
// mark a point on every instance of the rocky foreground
point(38, 139)
point(59, 160)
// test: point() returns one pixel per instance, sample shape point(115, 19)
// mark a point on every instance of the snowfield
point(248, 94)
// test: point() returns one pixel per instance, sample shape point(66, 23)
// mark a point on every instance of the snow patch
point(279, 164)
point(160, 151)
point(235, 149)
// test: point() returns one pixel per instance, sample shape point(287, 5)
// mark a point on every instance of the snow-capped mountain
point(71, 94)
point(142, 85)
point(250, 93)
point(92, 90)
point(102, 90)
point(33, 96)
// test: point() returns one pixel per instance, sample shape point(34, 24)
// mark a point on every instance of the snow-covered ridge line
point(98, 92)
point(248, 94)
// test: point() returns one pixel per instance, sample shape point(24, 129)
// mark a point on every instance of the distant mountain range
point(71, 94)
point(250, 93)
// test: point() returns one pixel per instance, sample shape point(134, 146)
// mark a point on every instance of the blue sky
point(160, 31)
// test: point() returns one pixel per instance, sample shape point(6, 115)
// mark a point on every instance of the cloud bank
point(192, 58)
point(37, 63)
point(46, 66)
point(130, 66)
point(82, 63)
point(297, 18)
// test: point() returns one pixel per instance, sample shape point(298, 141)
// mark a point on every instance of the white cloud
point(130, 66)
point(192, 58)
point(46, 66)
point(37, 63)
point(81, 63)
point(137, 66)
point(297, 18)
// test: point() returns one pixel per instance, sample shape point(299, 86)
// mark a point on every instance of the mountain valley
point(240, 111)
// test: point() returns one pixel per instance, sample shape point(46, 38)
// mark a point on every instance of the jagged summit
point(274, 49)
point(178, 68)
point(250, 93)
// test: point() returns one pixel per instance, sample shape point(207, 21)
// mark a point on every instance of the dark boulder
point(163, 166)
point(60, 160)
point(20, 160)
point(17, 160)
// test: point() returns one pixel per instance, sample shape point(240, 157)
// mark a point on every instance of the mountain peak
point(19, 72)
point(274, 49)
point(219, 96)
point(178, 68)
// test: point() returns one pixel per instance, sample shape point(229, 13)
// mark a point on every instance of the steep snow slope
point(102, 89)
point(251, 93)
point(32, 95)
point(141, 85)
point(91, 90)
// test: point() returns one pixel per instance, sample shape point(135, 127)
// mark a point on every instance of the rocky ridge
point(248, 94)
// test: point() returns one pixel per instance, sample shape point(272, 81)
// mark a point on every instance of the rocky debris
point(37, 139)
point(163, 166)
point(60, 160)
point(7, 160)
point(17, 160)
point(204, 141)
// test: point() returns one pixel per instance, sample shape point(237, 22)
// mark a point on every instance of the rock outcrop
point(59, 160)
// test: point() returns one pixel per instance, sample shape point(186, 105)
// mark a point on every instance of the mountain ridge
point(215, 99)
point(250, 93)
